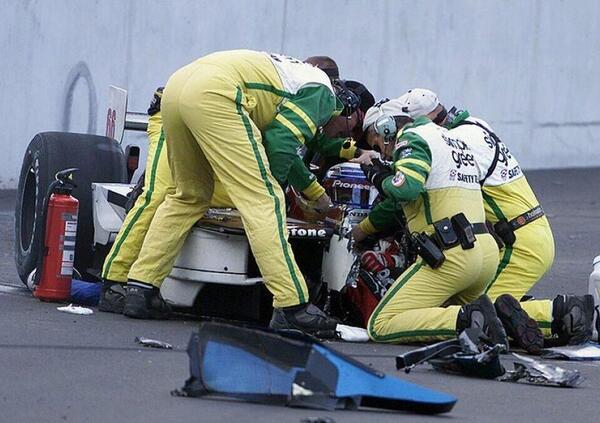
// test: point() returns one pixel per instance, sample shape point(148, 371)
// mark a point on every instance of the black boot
point(305, 318)
point(572, 317)
point(144, 302)
point(481, 313)
point(518, 325)
point(112, 297)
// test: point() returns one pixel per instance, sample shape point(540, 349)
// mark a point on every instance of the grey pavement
point(57, 367)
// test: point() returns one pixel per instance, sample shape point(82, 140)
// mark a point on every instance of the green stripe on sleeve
point(415, 164)
point(267, 87)
point(414, 147)
point(287, 131)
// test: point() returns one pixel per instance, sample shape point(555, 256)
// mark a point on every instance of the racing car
point(215, 266)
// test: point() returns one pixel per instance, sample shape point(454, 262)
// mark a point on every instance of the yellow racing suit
point(157, 184)
point(507, 195)
point(429, 186)
point(239, 117)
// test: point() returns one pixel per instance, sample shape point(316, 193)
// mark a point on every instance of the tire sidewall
point(26, 256)
point(98, 158)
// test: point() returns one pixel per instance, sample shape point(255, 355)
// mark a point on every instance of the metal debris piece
point(588, 351)
point(528, 370)
point(154, 343)
point(75, 310)
point(485, 364)
point(470, 354)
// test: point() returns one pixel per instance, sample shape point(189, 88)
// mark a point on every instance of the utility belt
point(448, 233)
point(505, 229)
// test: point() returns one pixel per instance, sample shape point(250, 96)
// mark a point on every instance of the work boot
point(112, 297)
point(305, 318)
point(145, 302)
point(482, 314)
point(572, 317)
point(518, 325)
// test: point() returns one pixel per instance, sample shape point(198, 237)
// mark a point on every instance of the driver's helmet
point(345, 183)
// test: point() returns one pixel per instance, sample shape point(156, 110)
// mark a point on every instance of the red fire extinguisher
point(55, 262)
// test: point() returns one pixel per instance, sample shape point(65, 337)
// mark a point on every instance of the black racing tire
point(99, 159)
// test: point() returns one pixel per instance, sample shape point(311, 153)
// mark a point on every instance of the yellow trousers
point(157, 184)
point(523, 265)
point(412, 309)
point(210, 135)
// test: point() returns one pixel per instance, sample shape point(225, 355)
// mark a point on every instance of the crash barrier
point(267, 367)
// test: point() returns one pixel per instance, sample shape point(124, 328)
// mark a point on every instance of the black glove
point(155, 104)
point(376, 173)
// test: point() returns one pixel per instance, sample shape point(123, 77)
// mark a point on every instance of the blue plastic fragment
point(262, 366)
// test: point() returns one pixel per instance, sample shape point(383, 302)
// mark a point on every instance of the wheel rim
point(28, 203)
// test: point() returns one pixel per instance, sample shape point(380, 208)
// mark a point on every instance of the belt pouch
point(464, 231)
point(429, 251)
point(505, 232)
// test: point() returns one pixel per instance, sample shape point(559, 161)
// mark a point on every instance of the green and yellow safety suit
point(238, 117)
point(507, 195)
point(158, 182)
point(429, 186)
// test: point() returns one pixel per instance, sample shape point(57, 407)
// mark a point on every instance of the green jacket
point(412, 163)
point(302, 116)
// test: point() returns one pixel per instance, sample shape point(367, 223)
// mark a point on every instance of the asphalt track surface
point(57, 367)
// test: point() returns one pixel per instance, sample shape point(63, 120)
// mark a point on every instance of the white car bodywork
point(216, 250)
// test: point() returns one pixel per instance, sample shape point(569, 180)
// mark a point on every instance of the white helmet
point(419, 102)
point(385, 107)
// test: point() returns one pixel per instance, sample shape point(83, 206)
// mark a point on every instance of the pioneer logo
point(340, 184)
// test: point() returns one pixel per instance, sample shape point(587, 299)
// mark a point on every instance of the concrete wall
point(531, 68)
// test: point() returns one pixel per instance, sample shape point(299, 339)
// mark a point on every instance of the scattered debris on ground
point(76, 310)
point(153, 343)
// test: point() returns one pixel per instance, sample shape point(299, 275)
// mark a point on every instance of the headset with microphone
point(385, 125)
point(349, 99)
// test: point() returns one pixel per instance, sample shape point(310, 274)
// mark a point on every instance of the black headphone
point(349, 99)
